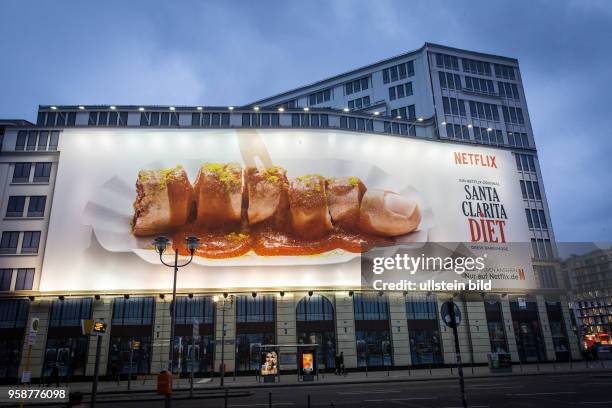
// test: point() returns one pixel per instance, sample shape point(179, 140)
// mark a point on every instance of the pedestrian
point(342, 369)
point(115, 372)
point(337, 364)
point(594, 351)
point(54, 378)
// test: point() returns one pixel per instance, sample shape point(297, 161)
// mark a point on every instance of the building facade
point(591, 293)
point(436, 93)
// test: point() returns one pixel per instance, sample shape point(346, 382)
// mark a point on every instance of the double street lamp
point(161, 243)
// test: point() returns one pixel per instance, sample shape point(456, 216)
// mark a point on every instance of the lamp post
point(161, 243)
point(231, 300)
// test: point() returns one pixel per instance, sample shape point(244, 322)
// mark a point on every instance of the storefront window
point(132, 326)
point(372, 331)
point(187, 351)
point(495, 324)
point(315, 325)
point(423, 329)
point(66, 345)
point(557, 331)
point(255, 327)
point(528, 331)
point(13, 316)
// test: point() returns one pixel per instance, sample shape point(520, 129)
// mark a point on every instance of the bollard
point(430, 369)
point(269, 400)
point(308, 400)
point(451, 370)
point(226, 391)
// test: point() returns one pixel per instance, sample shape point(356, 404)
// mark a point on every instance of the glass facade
point(495, 325)
point(528, 331)
point(13, 316)
point(255, 317)
point(423, 329)
point(315, 325)
point(557, 330)
point(189, 351)
point(372, 330)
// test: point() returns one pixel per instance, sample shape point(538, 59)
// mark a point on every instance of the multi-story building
point(438, 94)
point(591, 292)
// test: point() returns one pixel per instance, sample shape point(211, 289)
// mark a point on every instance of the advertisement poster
point(308, 363)
point(298, 207)
point(269, 363)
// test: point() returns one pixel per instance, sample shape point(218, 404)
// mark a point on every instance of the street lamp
point(161, 243)
point(226, 298)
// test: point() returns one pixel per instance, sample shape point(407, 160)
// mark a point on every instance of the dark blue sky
point(229, 53)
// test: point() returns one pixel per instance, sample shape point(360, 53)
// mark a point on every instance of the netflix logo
point(473, 159)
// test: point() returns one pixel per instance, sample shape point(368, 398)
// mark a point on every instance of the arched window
point(314, 308)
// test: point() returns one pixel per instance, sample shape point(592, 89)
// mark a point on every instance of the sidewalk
point(245, 382)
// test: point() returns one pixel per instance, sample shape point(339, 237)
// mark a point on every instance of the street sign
point(93, 327)
point(135, 345)
point(445, 313)
point(34, 324)
point(26, 376)
point(522, 304)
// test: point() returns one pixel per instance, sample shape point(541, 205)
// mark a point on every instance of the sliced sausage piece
point(308, 207)
point(267, 194)
point(388, 214)
point(218, 193)
point(163, 201)
point(343, 199)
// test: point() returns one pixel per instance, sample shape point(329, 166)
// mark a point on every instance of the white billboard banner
point(453, 194)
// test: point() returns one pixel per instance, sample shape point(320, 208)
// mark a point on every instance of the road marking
point(262, 405)
point(413, 398)
point(374, 400)
point(367, 392)
point(595, 402)
point(541, 393)
point(484, 387)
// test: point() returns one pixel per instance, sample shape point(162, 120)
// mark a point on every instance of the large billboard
point(274, 208)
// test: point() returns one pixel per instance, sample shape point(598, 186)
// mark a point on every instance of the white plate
point(110, 211)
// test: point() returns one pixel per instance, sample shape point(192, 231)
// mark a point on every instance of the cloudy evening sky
point(231, 53)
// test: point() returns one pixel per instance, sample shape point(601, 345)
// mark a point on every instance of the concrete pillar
point(446, 333)
point(40, 309)
point(286, 327)
point(509, 326)
point(229, 305)
point(103, 310)
point(399, 330)
point(571, 336)
point(160, 346)
point(345, 329)
point(543, 316)
point(479, 331)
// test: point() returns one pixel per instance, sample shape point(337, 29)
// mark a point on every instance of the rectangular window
point(535, 219)
point(50, 122)
point(504, 71)
point(8, 243)
point(30, 243)
point(36, 207)
point(15, 207)
point(530, 193)
point(21, 172)
point(21, 140)
point(31, 143)
point(25, 279)
point(543, 222)
point(392, 96)
point(254, 310)
point(447, 61)
point(93, 119)
point(536, 189)
point(134, 311)
point(523, 189)
point(529, 220)
point(102, 118)
point(43, 139)
point(70, 312)
point(6, 275)
point(42, 172)
point(357, 85)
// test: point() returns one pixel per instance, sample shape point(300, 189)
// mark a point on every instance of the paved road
point(558, 390)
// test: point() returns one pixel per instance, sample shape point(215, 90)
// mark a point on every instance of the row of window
point(405, 112)
point(309, 120)
point(17, 204)
point(480, 85)
point(105, 118)
point(474, 66)
point(453, 106)
point(492, 137)
point(202, 119)
point(260, 119)
point(400, 91)
point(531, 190)
point(70, 312)
point(357, 85)
point(37, 140)
point(56, 119)
point(159, 119)
point(518, 139)
point(396, 128)
point(536, 218)
point(508, 90)
point(22, 172)
point(460, 132)
point(359, 103)
point(513, 115)
point(542, 248)
point(547, 275)
point(321, 96)
point(29, 243)
point(449, 81)
point(525, 162)
point(23, 281)
point(356, 123)
point(482, 110)
point(397, 72)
